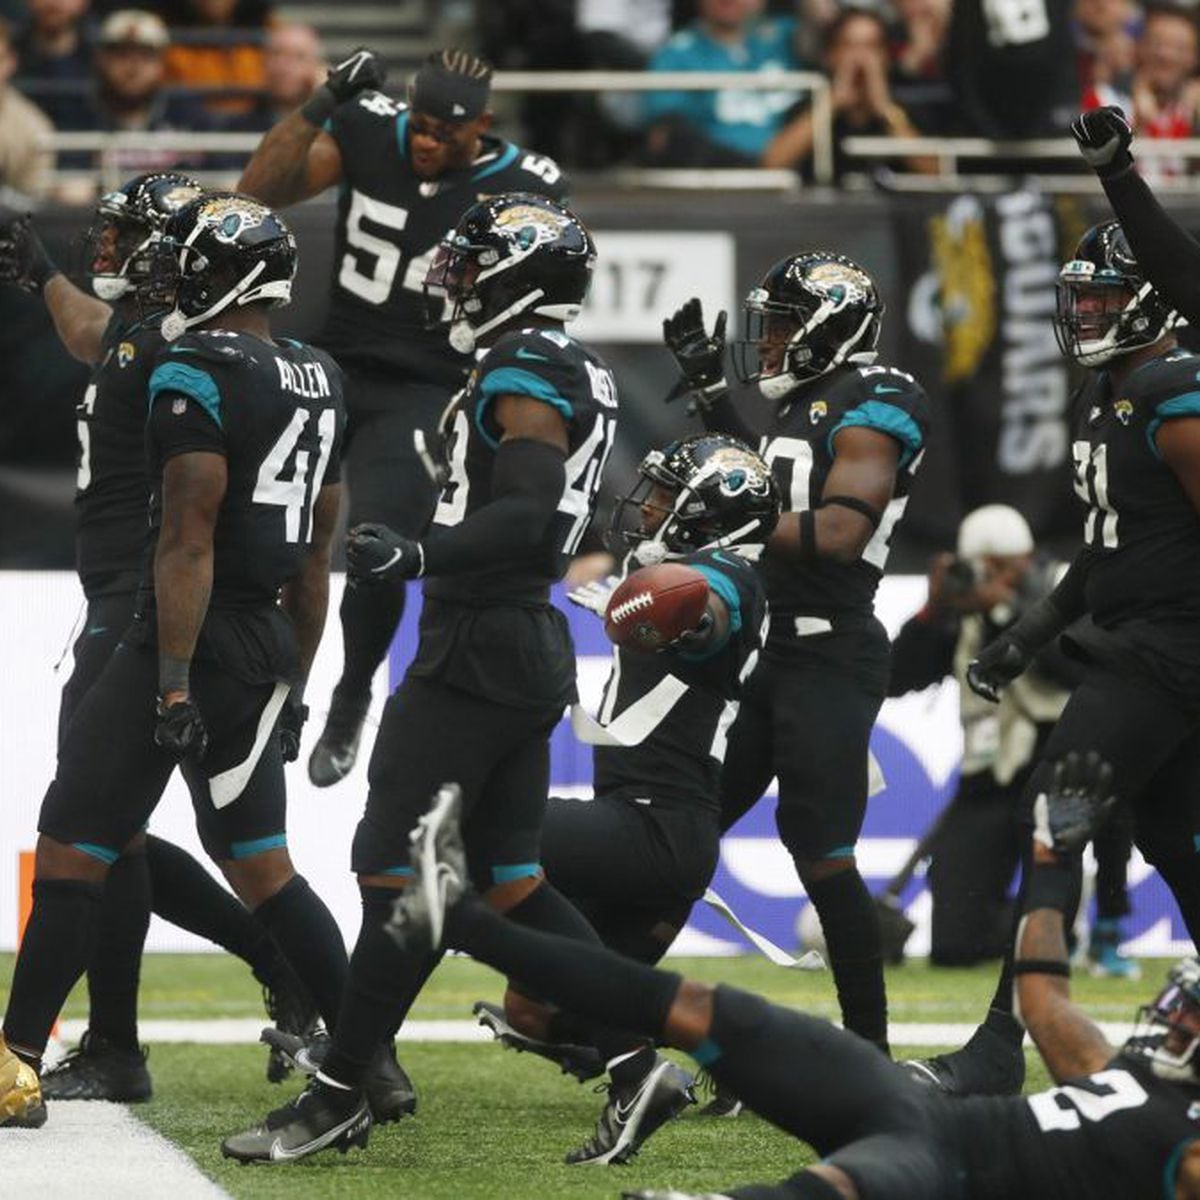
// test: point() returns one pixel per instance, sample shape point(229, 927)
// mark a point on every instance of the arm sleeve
point(527, 484)
point(922, 654)
point(1168, 254)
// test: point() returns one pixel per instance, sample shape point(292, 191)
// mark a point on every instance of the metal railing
point(114, 149)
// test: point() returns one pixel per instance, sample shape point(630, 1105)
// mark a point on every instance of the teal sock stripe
point(257, 846)
point(406, 872)
point(103, 853)
point(840, 852)
point(507, 873)
point(706, 1053)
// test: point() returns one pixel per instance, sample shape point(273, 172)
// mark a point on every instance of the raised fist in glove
point(1104, 136)
point(375, 552)
point(363, 71)
point(998, 664)
point(180, 729)
point(1079, 801)
point(701, 357)
point(23, 258)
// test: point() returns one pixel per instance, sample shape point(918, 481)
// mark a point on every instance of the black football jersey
point(275, 413)
point(678, 707)
point(389, 224)
point(112, 496)
point(800, 447)
point(1141, 534)
point(547, 365)
point(1107, 1136)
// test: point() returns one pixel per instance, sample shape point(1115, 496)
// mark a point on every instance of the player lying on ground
point(116, 333)
point(1124, 1125)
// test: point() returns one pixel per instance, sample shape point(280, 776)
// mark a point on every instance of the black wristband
point(808, 536)
point(1052, 885)
point(1042, 966)
point(859, 506)
point(319, 107)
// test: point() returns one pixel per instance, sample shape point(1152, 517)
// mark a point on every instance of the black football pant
point(164, 876)
point(822, 1085)
point(387, 483)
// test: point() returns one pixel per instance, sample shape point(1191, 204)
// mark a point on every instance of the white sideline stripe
point(100, 1150)
point(901, 1033)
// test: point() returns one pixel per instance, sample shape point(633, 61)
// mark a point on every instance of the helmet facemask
point(117, 252)
point(1167, 1033)
point(1100, 315)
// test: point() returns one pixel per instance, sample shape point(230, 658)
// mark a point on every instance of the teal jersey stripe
point(189, 381)
point(1187, 405)
point(887, 418)
point(506, 159)
point(274, 841)
point(720, 583)
point(513, 381)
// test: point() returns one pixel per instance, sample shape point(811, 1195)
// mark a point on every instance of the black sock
point(185, 894)
point(547, 910)
point(584, 979)
point(851, 928)
point(383, 983)
point(116, 964)
point(308, 937)
point(369, 619)
point(55, 952)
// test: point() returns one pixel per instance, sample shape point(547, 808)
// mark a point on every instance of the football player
point(407, 171)
point(1136, 451)
point(636, 857)
point(525, 445)
point(1169, 256)
point(845, 440)
point(1124, 1122)
point(241, 439)
point(116, 332)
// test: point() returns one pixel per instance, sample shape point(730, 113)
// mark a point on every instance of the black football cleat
point(584, 1062)
point(336, 751)
point(390, 1092)
point(320, 1118)
point(292, 1010)
point(98, 1070)
point(633, 1113)
point(439, 879)
point(990, 1064)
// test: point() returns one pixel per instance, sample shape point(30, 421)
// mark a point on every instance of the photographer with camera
point(974, 594)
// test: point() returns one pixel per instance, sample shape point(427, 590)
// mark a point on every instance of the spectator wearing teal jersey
point(723, 128)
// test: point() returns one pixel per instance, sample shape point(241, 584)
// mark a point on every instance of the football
point(653, 606)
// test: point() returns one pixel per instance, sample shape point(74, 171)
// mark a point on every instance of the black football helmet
point(1105, 305)
point(223, 249)
point(1167, 1034)
point(703, 492)
point(117, 248)
point(509, 255)
point(811, 313)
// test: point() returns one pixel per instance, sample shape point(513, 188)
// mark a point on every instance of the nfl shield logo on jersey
point(179, 405)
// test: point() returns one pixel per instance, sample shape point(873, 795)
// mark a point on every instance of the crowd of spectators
point(894, 67)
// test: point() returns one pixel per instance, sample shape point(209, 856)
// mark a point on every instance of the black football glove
point(701, 358)
point(1104, 136)
point(998, 664)
point(180, 730)
point(363, 71)
point(291, 721)
point(375, 552)
point(1078, 803)
point(23, 258)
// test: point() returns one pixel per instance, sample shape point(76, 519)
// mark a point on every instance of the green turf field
point(491, 1123)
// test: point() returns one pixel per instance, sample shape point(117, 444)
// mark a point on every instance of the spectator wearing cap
point(24, 130)
point(218, 48)
point(55, 55)
point(723, 128)
point(295, 67)
point(129, 93)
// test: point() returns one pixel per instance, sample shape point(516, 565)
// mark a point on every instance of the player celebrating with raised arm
point(116, 332)
point(525, 446)
point(1124, 1125)
point(845, 441)
point(1136, 451)
point(407, 172)
point(241, 439)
